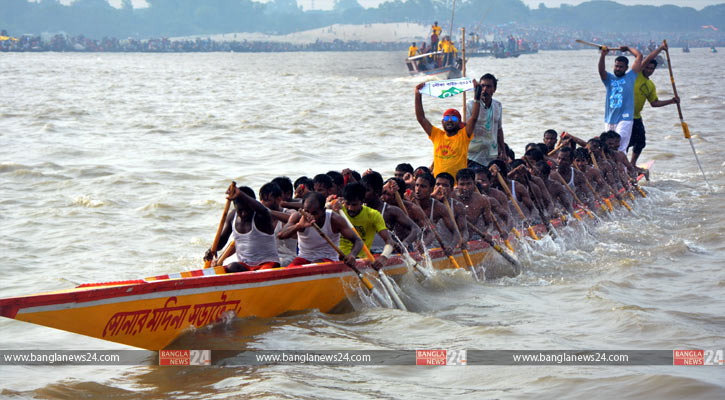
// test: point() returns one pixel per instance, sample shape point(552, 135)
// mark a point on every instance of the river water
point(114, 167)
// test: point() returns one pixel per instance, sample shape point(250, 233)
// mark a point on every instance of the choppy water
point(114, 166)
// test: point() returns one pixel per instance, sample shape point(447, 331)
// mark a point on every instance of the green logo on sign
point(450, 92)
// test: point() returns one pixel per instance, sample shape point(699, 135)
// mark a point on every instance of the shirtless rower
point(531, 157)
point(605, 166)
point(312, 247)
point(497, 198)
point(572, 177)
point(442, 192)
point(412, 209)
point(395, 219)
point(252, 228)
point(477, 207)
point(542, 203)
point(519, 193)
point(558, 193)
point(582, 161)
point(434, 210)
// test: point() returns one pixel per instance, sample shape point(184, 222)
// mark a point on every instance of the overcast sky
point(327, 4)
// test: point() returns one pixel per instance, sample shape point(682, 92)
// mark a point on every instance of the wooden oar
point(438, 237)
point(514, 202)
point(599, 46)
point(231, 248)
point(624, 181)
point(215, 244)
point(383, 277)
point(496, 247)
point(401, 204)
point(466, 256)
point(685, 127)
point(581, 203)
point(611, 189)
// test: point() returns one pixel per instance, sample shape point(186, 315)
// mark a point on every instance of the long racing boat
point(151, 313)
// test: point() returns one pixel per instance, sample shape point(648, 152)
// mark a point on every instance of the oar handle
point(466, 256)
point(672, 77)
point(215, 243)
point(508, 193)
point(589, 185)
point(438, 237)
point(401, 204)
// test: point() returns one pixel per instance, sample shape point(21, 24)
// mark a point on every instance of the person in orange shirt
point(450, 144)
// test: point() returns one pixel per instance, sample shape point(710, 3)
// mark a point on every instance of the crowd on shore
point(541, 38)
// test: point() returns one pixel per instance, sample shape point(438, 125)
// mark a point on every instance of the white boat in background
point(428, 65)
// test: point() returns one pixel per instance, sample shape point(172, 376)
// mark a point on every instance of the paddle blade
point(609, 205)
point(454, 262)
point(366, 281)
point(685, 130)
point(532, 233)
point(508, 244)
point(207, 264)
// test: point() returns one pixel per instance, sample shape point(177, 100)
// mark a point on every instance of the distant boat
point(428, 65)
point(686, 49)
point(713, 49)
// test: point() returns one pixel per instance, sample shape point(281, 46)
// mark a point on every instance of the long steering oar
point(215, 244)
point(514, 202)
point(685, 128)
point(464, 250)
point(495, 246)
point(383, 277)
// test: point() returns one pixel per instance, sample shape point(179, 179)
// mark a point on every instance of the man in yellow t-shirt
point(450, 144)
point(412, 50)
point(367, 222)
point(644, 89)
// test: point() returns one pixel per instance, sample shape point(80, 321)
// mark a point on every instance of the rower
point(572, 177)
point(252, 228)
point(367, 222)
point(582, 161)
point(542, 203)
point(338, 182)
point(606, 168)
point(396, 185)
point(434, 210)
point(550, 137)
point(442, 192)
point(270, 195)
point(518, 192)
point(476, 206)
point(322, 183)
point(312, 247)
point(558, 193)
point(496, 197)
point(395, 219)
point(531, 157)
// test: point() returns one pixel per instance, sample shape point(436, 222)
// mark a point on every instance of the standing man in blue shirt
point(619, 103)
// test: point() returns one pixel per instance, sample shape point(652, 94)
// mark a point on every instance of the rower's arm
point(419, 113)
point(294, 205)
point(279, 215)
point(407, 223)
point(651, 56)
point(226, 231)
point(338, 224)
point(637, 64)
point(292, 227)
point(602, 67)
point(471, 123)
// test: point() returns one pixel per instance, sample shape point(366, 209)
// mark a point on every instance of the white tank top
point(254, 247)
point(313, 247)
point(571, 181)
